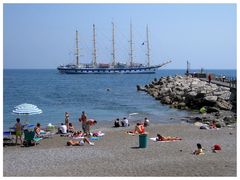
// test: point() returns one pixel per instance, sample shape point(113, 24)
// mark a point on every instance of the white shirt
point(63, 129)
point(125, 121)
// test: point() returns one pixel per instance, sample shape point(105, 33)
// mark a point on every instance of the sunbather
point(139, 129)
point(166, 138)
point(77, 134)
point(79, 143)
point(41, 133)
point(71, 128)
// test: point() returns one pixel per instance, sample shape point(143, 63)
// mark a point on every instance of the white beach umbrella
point(26, 109)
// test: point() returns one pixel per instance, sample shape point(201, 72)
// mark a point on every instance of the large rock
point(182, 92)
point(224, 105)
point(211, 98)
point(166, 100)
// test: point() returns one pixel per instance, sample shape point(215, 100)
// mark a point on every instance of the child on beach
point(199, 150)
point(166, 138)
point(19, 129)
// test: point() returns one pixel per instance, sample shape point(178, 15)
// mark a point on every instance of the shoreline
point(117, 154)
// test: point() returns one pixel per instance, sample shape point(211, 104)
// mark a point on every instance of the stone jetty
point(188, 93)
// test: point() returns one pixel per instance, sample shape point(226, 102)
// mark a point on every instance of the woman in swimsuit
point(166, 138)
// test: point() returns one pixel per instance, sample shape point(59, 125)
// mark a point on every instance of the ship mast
point(131, 45)
point(113, 46)
point(148, 49)
point(94, 63)
point(77, 49)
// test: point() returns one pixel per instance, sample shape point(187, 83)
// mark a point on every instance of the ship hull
point(142, 70)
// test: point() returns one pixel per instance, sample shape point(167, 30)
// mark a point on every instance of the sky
point(42, 36)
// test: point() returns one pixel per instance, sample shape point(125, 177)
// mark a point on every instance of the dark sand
point(117, 154)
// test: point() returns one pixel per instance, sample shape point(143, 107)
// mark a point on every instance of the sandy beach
point(117, 154)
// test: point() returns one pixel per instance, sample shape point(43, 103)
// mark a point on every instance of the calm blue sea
point(56, 93)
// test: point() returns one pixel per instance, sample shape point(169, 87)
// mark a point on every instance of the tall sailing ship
point(114, 67)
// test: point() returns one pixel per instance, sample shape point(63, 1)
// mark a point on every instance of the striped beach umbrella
point(26, 109)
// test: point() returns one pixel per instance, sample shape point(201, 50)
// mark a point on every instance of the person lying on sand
point(76, 134)
point(166, 138)
point(79, 143)
point(139, 129)
point(199, 150)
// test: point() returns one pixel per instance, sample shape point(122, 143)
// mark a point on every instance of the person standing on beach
point(19, 129)
point(83, 119)
point(89, 123)
point(67, 119)
point(146, 122)
point(209, 78)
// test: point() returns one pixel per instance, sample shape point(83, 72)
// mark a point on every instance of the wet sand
point(117, 154)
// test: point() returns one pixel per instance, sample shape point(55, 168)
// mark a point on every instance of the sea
point(103, 97)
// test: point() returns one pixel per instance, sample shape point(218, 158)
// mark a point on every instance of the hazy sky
point(43, 35)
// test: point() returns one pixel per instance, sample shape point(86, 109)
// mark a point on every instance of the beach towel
point(94, 138)
point(155, 139)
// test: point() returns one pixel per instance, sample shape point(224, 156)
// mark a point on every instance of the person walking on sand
point(83, 119)
point(209, 78)
point(19, 129)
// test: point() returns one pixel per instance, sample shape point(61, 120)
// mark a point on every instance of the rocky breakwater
point(188, 93)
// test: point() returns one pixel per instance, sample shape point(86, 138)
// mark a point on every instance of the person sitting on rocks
point(167, 138)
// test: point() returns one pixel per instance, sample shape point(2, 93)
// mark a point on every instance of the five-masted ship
point(114, 67)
